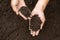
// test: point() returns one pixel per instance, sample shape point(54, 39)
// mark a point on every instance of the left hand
point(42, 17)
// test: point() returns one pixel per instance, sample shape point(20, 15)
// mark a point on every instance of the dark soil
point(35, 23)
point(14, 27)
point(25, 11)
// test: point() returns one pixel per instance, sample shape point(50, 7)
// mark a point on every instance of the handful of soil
point(25, 11)
point(35, 23)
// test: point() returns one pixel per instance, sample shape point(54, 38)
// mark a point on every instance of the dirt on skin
point(14, 27)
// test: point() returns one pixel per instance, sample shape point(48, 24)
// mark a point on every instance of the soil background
point(14, 27)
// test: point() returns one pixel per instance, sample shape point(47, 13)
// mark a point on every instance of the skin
point(39, 10)
point(16, 5)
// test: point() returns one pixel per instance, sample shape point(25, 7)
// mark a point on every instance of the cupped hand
point(40, 14)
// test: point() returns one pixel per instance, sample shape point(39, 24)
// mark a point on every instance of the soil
point(14, 27)
point(25, 11)
point(35, 23)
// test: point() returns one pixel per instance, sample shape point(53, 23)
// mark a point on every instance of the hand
point(40, 14)
point(42, 17)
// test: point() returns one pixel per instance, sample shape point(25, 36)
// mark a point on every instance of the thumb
point(22, 16)
point(17, 13)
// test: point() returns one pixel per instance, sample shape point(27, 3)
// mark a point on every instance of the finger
point(29, 22)
point(37, 32)
point(42, 17)
point(17, 13)
point(32, 14)
point(32, 33)
point(41, 26)
point(22, 16)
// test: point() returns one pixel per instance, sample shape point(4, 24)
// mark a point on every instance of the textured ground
point(13, 27)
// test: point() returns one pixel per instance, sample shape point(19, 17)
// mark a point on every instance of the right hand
point(42, 17)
